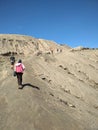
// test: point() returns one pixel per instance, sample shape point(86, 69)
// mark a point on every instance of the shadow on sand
point(30, 85)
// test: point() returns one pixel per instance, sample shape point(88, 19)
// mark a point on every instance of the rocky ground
point(60, 89)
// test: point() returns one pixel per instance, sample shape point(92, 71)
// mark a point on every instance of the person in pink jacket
point(19, 68)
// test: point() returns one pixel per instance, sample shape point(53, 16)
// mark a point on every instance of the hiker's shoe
point(20, 87)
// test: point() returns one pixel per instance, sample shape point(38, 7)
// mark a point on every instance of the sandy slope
point(60, 92)
point(33, 107)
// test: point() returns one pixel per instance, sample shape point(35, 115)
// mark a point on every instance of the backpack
point(12, 59)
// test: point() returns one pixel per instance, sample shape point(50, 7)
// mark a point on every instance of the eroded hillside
point(60, 90)
point(20, 44)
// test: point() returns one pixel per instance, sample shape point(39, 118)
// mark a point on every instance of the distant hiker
point(19, 68)
point(12, 61)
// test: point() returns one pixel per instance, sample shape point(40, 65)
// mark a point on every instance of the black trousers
point(19, 78)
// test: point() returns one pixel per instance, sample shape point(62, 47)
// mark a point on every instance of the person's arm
point(23, 67)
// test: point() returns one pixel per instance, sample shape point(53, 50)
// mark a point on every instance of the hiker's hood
point(17, 64)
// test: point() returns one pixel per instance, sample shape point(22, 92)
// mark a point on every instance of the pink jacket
point(19, 67)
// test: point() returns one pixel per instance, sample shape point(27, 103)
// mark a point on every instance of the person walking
point(12, 61)
point(19, 69)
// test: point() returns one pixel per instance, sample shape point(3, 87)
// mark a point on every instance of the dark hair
point(20, 61)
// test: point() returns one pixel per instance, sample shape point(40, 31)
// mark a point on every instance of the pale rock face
point(60, 86)
point(25, 45)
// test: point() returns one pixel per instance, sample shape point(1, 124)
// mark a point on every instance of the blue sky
point(71, 22)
